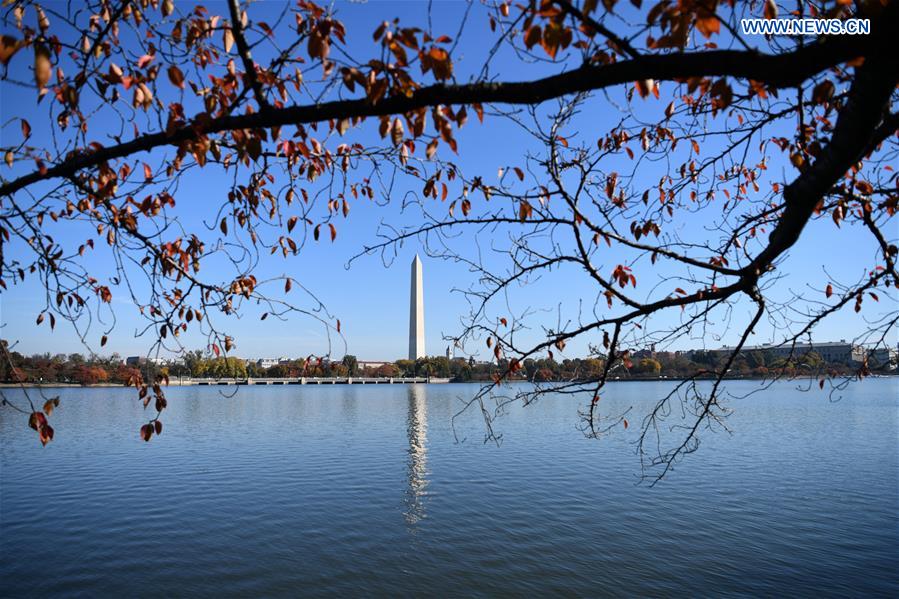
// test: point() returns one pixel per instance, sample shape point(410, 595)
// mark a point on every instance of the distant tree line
point(78, 369)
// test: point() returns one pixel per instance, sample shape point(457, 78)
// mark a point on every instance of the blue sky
point(372, 299)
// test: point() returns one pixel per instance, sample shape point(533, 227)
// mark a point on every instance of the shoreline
point(213, 383)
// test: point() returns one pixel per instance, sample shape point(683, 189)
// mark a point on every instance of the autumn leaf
point(42, 21)
point(708, 25)
point(532, 36)
point(829, 291)
point(50, 404)
point(228, 40)
point(524, 211)
point(45, 434)
point(42, 67)
point(646, 87)
point(176, 76)
point(397, 131)
point(144, 60)
point(26, 129)
point(823, 92)
point(8, 46)
point(770, 9)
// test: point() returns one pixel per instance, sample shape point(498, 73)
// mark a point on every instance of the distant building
point(883, 356)
point(135, 360)
point(371, 364)
point(449, 352)
point(267, 362)
point(841, 352)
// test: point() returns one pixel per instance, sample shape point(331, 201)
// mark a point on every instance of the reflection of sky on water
point(417, 467)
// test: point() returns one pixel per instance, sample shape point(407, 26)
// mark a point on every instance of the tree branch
point(779, 70)
point(244, 50)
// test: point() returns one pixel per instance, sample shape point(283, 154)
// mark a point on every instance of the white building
point(842, 352)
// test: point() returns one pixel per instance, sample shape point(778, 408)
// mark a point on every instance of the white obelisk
point(416, 313)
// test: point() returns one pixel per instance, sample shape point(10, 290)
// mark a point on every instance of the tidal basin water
point(362, 490)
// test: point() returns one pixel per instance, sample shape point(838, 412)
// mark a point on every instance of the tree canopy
point(760, 134)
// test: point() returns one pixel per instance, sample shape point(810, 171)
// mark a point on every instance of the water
point(282, 491)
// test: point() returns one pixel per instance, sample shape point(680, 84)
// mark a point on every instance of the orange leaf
point(707, 25)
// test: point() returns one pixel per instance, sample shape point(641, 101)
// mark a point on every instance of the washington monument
point(416, 314)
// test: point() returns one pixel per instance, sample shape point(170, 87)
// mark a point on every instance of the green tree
point(351, 364)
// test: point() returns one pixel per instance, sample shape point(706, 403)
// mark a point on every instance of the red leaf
point(45, 434)
point(37, 420)
point(829, 291)
point(144, 61)
point(146, 431)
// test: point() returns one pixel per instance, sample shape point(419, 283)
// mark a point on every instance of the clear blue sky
point(371, 300)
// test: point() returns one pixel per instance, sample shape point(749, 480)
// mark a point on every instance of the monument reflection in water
point(417, 465)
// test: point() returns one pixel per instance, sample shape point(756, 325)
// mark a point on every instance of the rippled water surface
point(302, 490)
